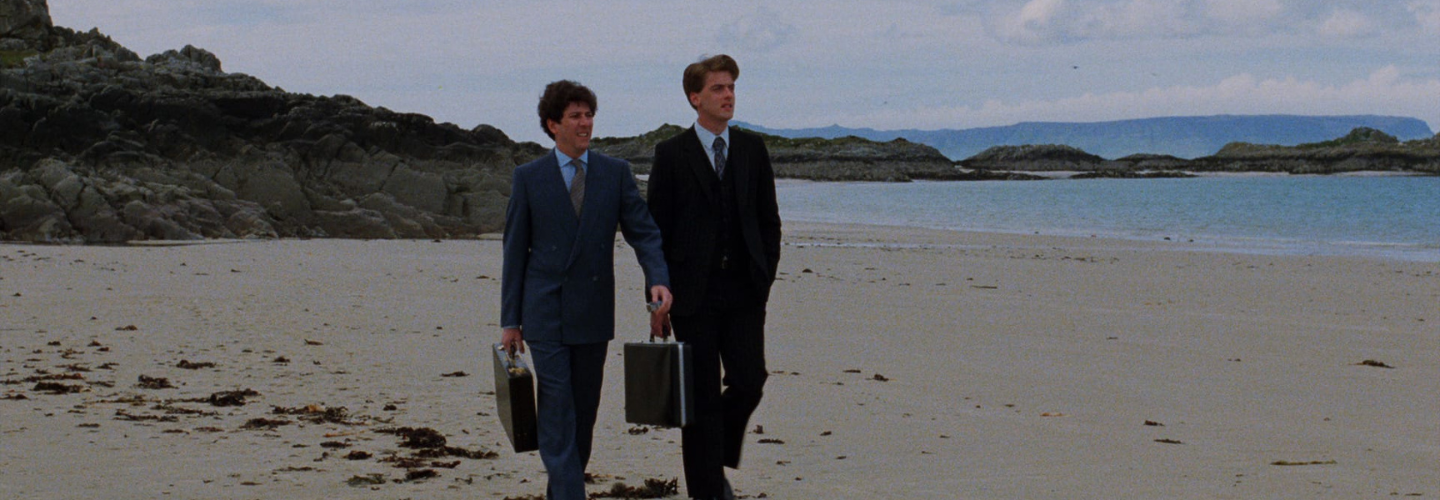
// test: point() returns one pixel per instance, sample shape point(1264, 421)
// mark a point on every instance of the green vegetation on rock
point(15, 58)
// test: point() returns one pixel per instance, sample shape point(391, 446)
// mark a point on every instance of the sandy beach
point(905, 364)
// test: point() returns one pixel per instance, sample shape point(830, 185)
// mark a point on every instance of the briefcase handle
point(508, 354)
point(669, 334)
point(668, 338)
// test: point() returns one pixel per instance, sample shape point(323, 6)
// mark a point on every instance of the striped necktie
point(719, 148)
point(577, 186)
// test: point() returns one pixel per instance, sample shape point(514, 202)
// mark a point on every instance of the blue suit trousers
point(569, 378)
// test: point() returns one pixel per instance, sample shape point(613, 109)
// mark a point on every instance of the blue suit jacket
point(558, 281)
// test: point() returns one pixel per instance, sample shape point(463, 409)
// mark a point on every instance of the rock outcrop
point(843, 159)
point(1034, 158)
point(1362, 150)
point(24, 19)
point(99, 146)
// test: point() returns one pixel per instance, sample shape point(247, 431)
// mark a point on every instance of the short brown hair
point(558, 96)
point(696, 72)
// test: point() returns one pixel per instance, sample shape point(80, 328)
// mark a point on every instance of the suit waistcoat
point(729, 242)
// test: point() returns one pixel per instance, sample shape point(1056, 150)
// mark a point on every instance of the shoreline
point(1236, 246)
point(1240, 246)
point(1066, 174)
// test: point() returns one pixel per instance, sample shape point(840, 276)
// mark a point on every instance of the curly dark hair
point(558, 96)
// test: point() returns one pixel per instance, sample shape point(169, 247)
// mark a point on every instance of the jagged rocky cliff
point(100, 146)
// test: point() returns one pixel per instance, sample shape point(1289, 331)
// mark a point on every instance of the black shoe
point(726, 492)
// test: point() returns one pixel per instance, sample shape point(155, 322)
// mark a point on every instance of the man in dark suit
point(712, 192)
point(558, 281)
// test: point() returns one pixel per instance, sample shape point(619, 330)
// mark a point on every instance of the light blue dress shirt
point(568, 171)
point(707, 142)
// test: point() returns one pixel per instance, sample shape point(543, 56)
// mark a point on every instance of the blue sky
point(885, 65)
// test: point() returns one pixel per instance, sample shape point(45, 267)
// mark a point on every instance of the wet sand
point(905, 364)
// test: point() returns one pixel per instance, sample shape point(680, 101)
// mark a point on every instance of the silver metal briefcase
point(659, 386)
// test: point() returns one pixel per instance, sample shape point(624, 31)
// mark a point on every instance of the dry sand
point(905, 364)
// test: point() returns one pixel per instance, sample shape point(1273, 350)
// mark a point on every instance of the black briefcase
point(659, 387)
point(515, 400)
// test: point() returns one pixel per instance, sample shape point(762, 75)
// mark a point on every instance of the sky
point(884, 65)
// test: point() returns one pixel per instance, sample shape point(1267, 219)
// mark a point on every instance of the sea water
point(1385, 216)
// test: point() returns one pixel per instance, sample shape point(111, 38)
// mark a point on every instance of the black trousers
point(731, 338)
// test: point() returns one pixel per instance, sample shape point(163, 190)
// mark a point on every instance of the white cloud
point(1068, 22)
point(1345, 23)
point(1427, 14)
point(1039, 14)
point(1040, 22)
point(760, 31)
point(1242, 12)
point(1037, 22)
point(1385, 91)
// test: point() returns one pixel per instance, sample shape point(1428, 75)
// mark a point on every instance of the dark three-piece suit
point(721, 236)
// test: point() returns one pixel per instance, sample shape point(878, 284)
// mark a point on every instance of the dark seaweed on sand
point(148, 382)
point(653, 488)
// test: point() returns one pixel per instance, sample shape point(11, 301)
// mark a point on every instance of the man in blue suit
point(558, 281)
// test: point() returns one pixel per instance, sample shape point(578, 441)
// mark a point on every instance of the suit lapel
point(554, 188)
point(699, 164)
point(737, 168)
point(555, 200)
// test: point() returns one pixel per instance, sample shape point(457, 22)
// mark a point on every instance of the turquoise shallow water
point(1384, 216)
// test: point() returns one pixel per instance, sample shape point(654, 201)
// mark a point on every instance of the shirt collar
point(707, 138)
point(565, 159)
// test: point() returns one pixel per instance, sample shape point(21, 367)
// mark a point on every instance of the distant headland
point(857, 159)
point(1361, 150)
point(1179, 136)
